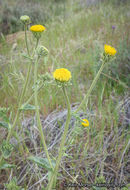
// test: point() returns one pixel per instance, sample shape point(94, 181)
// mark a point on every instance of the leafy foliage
point(13, 185)
point(5, 165)
point(6, 149)
point(43, 162)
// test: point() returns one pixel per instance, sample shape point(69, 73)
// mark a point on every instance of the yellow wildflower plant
point(62, 75)
point(85, 123)
point(109, 50)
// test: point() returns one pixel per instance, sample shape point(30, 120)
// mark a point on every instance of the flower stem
point(87, 143)
point(25, 28)
point(91, 88)
point(30, 98)
point(20, 102)
point(54, 175)
point(18, 111)
point(23, 91)
point(37, 112)
point(22, 95)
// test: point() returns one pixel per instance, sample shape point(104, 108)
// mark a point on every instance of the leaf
point(6, 149)
point(27, 107)
point(43, 162)
point(4, 117)
point(12, 185)
point(6, 166)
point(26, 56)
point(66, 155)
point(4, 124)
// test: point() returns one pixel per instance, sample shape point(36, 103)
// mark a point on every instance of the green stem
point(54, 176)
point(37, 112)
point(91, 88)
point(37, 41)
point(20, 146)
point(21, 97)
point(87, 143)
point(18, 111)
point(27, 102)
point(20, 102)
point(1, 159)
point(25, 28)
point(23, 92)
point(36, 44)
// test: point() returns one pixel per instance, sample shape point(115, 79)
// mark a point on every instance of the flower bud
point(25, 19)
point(42, 51)
point(46, 77)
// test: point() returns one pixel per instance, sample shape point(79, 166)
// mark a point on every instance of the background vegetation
point(75, 36)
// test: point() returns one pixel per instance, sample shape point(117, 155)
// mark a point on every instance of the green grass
point(75, 41)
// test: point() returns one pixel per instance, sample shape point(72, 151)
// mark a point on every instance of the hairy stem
point(21, 96)
point(54, 175)
point(37, 112)
point(91, 88)
point(25, 28)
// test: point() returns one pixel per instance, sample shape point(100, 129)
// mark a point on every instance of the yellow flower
point(62, 75)
point(37, 28)
point(109, 50)
point(85, 123)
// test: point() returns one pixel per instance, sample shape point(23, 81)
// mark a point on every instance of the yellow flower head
point(37, 28)
point(85, 123)
point(62, 75)
point(109, 50)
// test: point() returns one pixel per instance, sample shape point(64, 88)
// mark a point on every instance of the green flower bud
point(46, 77)
point(42, 51)
point(25, 19)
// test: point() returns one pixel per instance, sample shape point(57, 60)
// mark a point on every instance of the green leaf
point(3, 114)
point(12, 185)
point(26, 56)
point(4, 124)
point(4, 117)
point(66, 155)
point(6, 166)
point(43, 162)
point(27, 107)
point(6, 149)
point(127, 187)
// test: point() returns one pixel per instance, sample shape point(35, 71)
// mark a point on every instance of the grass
point(75, 40)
